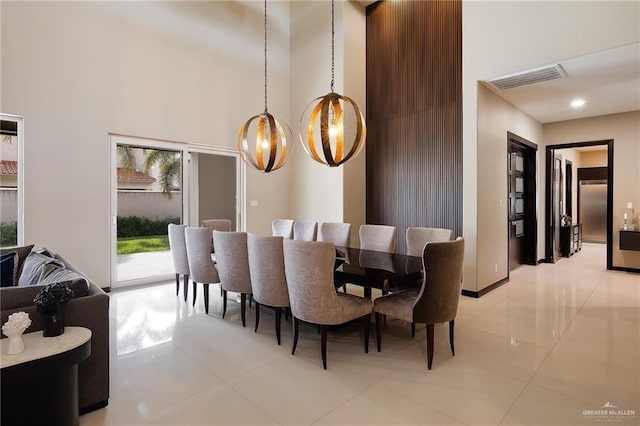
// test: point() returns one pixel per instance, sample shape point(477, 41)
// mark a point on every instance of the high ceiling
point(608, 82)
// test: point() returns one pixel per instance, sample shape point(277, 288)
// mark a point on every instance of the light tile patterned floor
point(555, 341)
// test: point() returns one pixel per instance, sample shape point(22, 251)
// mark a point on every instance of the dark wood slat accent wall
point(414, 115)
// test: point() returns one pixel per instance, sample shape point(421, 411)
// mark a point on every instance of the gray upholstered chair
point(200, 264)
point(268, 281)
point(378, 238)
point(217, 225)
point(233, 267)
point(305, 230)
point(312, 294)
point(436, 301)
point(338, 233)
point(178, 249)
point(417, 237)
point(282, 228)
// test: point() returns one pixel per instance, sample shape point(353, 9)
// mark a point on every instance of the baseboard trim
point(94, 407)
point(625, 269)
point(478, 294)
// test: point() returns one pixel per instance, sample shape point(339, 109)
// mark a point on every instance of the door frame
point(548, 189)
point(531, 217)
point(188, 197)
point(19, 120)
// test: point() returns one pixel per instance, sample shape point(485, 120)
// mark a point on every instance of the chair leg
point(257, 317)
point(323, 344)
point(344, 289)
point(366, 325)
point(379, 330)
point(177, 284)
point(224, 303)
point(429, 345)
point(206, 298)
point(296, 324)
point(195, 291)
point(278, 317)
point(243, 306)
point(453, 351)
point(185, 286)
point(413, 329)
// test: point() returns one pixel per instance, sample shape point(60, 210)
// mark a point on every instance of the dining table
point(370, 269)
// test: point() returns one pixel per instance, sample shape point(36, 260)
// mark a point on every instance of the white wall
point(624, 129)
point(182, 71)
point(496, 41)
point(496, 117)
point(321, 193)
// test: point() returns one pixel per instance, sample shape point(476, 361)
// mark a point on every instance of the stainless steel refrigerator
point(592, 210)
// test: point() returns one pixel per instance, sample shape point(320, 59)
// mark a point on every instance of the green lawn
point(143, 244)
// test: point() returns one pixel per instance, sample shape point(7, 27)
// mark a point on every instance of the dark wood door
point(517, 199)
point(557, 202)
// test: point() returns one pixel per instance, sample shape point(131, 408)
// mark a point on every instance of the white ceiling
point(608, 81)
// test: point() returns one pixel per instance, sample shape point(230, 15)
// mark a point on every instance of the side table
point(40, 385)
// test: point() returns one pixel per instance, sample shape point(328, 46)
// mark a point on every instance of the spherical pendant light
point(332, 128)
point(270, 149)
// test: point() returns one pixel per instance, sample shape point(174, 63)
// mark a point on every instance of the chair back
point(441, 286)
point(305, 230)
point(266, 267)
point(282, 228)
point(378, 238)
point(232, 260)
point(178, 248)
point(309, 272)
point(417, 237)
point(338, 233)
point(198, 242)
point(217, 225)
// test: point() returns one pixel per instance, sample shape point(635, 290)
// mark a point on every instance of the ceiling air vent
point(524, 78)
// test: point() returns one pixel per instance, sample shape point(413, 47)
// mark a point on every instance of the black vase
point(53, 324)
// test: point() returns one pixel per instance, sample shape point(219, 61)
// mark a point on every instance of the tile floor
point(544, 349)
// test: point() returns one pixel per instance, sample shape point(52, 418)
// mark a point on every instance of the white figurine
point(13, 329)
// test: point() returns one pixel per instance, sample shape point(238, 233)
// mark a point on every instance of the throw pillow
point(52, 273)
point(18, 263)
point(6, 269)
point(34, 267)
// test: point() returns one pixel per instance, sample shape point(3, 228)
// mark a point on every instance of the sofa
point(88, 308)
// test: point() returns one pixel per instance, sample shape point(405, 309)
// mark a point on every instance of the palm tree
point(127, 159)
point(169, 164)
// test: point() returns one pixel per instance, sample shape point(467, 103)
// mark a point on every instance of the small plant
point(49, 300)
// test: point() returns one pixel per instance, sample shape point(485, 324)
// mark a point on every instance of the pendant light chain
point(265, 56)
point(333, 48)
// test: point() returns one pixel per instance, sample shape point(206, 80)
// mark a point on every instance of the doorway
point(180, 187)
point(575, 190)
point(522, 222)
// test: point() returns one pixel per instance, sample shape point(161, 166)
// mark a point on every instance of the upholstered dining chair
point(282, 228)
point(178, 248)
point(338, 233)
point(216, 225)
point(436, 301)
point(378, 238)
point(268, 281)
point(200, 264)
point(417, 237)
point(305, 230)
point(313, 297)
point(233, 267)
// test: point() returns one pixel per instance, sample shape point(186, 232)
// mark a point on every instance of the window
point(10, 181)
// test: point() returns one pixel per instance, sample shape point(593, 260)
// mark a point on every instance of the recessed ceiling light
point(577, 103)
